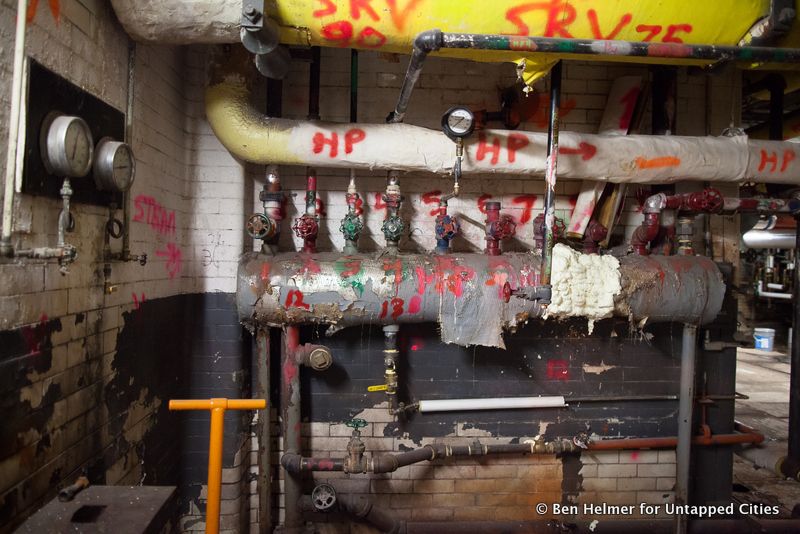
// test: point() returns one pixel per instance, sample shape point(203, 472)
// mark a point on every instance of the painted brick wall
point(75, 396)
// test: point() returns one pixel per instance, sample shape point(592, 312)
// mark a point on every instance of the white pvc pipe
point(761, 293)
point(505, 403)
point(13, 123)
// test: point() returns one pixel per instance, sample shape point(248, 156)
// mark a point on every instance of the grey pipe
point(264, 433)
point(457, 291)
point(685, 413)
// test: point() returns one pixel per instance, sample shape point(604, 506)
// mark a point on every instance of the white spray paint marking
point(597, 369)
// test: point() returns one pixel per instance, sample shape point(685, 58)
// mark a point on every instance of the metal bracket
point(252, 14)
point(540, 294)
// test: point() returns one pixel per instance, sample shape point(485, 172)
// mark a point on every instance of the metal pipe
point(771, 28)
point(17, 81)
point(550, 182)
point(464, 293)
point(353, 85)
point(777, 86)
point(794, 380)
point(126, 195)
point(264, 433)
point(425, 43)
point(313, 84)
point(600, 47)
point(685, 426)
point(290, 423)
point(503, 403)
point(217, 407)
point(390, 354)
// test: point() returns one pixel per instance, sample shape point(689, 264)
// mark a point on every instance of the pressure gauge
point(458, 122)
point(66, 145)
point(114, 166)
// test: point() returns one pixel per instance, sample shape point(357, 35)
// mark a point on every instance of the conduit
point(506, 403)
point(251, 136)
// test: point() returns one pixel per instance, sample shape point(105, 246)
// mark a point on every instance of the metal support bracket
point(541, 294)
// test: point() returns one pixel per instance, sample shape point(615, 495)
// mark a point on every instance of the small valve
point(357, 424)
point(351, 226)
point(306, 226)
point(393, 228)
point(447, 227)
point(323, 497)
point(259, 226)
point(502, 229)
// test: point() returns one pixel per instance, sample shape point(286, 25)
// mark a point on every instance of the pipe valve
point(259, 226)
point(351, 226)
point(306, 227)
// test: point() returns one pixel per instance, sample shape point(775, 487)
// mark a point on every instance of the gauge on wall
point(458, 122)
point(67, 145)
point(114, 166)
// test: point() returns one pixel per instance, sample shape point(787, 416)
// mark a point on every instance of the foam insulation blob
point(584, 285)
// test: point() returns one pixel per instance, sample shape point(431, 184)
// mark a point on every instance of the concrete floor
point(764, 378)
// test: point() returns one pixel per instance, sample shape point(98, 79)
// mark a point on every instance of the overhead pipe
point(464, 293)
point(253, 137)
point(771, 28)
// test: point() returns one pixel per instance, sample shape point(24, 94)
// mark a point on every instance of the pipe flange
point(320, 359)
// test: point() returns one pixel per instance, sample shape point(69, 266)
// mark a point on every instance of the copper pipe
point(744, 434)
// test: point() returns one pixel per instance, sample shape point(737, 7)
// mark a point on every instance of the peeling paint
point(597, 369)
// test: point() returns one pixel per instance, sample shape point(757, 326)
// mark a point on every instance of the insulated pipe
point(290, 423)
point(464, 293)
point(253, 137)
point(505, 403)
point(17, 80)
point(685, 427)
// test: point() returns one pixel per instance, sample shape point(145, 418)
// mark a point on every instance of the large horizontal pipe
point(251, 136)
point(467, 294)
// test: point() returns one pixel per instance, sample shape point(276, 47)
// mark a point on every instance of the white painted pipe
point(505, 403)
point(13, 126)
point(180, 21)
point(768, 294)
point(250, 136)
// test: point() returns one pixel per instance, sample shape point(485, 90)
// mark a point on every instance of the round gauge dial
point(114, 166)
point(67, 146)
point(458, 122)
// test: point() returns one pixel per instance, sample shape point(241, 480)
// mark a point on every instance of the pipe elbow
point(292, 463)
point(429, 41)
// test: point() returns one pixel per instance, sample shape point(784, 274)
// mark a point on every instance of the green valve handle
point(356, 423)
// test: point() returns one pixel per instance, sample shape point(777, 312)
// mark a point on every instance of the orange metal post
point(217, 408)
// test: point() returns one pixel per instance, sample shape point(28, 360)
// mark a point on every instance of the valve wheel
point(713, 201)
point(356, 423)
point(323, 497)
point(114, 228)
point(259, 226)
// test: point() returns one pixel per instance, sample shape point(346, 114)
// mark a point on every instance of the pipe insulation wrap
point(464, 293)
point(509, 403)
point(251, 136)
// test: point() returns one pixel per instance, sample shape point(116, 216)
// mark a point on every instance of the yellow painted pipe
point(217, 407)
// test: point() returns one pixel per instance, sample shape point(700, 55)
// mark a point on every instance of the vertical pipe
point(263, 432)
point(794, 380)
point(685, 407)
point(550, 175)
point(492, 218)
point(126, 209)
point(390, 362)
point(6, 249)
point(215, 465)
point(777, 85)
point(290, 422)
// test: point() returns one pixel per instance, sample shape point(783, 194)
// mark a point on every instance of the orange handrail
point(217, 408)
